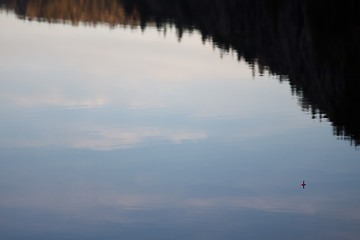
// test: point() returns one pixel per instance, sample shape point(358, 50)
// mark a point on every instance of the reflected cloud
point(111, 139)
point(267, 204)
point(188, 136)
point(101, 138)
point(62, 101)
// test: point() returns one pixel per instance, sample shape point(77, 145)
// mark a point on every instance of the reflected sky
point(106, 89)
point(118, 133)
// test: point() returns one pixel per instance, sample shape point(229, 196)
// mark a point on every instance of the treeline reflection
point(312, 44)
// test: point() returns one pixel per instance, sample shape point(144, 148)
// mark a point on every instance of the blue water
point(123, 134)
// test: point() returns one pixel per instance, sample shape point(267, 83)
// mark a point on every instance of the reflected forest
point(314, 45)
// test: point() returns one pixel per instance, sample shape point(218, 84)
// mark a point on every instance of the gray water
point(119, 133)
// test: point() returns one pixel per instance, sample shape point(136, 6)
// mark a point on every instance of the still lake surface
point(119, 133)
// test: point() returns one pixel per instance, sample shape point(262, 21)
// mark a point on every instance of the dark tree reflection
point(314, 44)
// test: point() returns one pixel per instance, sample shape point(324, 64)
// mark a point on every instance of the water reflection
point(109, 134)
point(315, 47)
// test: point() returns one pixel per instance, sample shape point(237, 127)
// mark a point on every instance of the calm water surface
point(119, 133)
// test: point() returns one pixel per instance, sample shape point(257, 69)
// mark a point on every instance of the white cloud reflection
point(110, 139)
point(62, 101)
point(103, 138)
